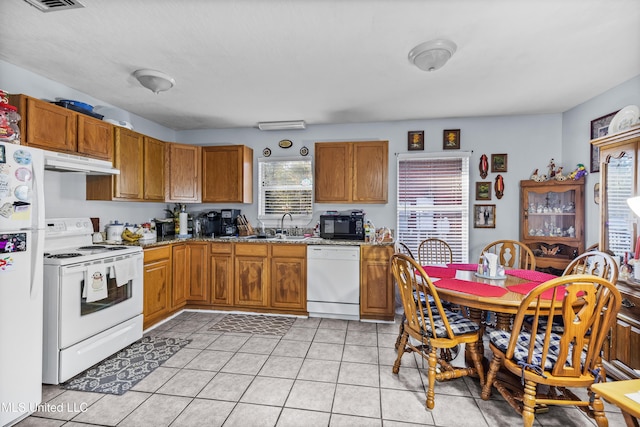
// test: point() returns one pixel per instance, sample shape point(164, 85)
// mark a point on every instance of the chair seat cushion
point(460, 325)
point(557, 325)
point(500, 339)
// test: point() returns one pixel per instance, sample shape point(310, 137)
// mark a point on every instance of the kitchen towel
point(95, 283)
point(125, 270)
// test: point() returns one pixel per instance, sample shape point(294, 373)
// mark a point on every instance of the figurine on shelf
point(552, 168)
point(559, 176)
point(535, 175)
point(578, 173)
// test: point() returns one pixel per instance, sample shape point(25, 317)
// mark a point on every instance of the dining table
point(463, 285)
point(625, 395)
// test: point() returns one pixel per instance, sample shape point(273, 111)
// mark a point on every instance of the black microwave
point(347, 225)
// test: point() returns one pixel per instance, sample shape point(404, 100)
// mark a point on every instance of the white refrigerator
point(21, 266)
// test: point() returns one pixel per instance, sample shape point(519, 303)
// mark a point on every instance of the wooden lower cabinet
point(376, 286)
point(622, 358)
point(221, 275)
point(251, 282)
point(157, 284)
point(289, 277)
point(180, 275)
point(190, 266)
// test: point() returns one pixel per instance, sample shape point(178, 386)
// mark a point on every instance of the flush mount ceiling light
point(432, 55)
point(288, 125)
point(153, 80)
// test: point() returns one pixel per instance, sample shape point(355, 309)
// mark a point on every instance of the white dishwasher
point(333, 281)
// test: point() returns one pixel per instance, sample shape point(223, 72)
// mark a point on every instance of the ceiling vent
point(55, 5)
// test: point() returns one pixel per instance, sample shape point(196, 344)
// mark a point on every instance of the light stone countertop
point(290, 241)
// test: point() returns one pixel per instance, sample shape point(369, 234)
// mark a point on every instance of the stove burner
point(88, 248)
point(67, 255)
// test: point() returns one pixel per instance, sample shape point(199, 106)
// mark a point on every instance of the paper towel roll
point(184, 222)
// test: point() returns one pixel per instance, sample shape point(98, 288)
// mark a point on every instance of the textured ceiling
point(335, 61)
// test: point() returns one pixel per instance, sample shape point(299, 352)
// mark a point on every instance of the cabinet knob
point(627, 304)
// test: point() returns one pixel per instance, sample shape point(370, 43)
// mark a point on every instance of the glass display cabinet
point(552, 221)
point(619, 180)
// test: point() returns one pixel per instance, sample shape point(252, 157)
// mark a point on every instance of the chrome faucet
point(282, 222)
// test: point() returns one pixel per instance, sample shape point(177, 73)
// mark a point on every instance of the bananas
point(130, 236)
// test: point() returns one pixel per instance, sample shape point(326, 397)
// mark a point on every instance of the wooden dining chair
point(430, 327)
point(595, 263)
point(403, 249)
point(569, 359)
point(434, 251)
point(512, 254)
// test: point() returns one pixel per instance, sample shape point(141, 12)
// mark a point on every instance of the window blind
point(619, 227)
point(433, 201)
point(286, 185)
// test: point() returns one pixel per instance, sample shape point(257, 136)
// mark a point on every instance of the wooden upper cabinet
point(153, 176)
point(45, 125)
point(52, 127)
point(182, 173)
point(333, 172)
point(227, 174)
point(129, 154)
point(351, 172)
point(95, 138)
point(370, 169)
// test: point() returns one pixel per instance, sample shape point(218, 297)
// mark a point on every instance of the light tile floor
point(323, 372)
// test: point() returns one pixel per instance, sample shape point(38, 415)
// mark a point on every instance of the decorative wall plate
point(304, 151)
point(285, 143)
point(266, 152)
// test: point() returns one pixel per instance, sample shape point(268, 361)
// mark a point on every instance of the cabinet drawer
point(158, 253)
point(251, 249)
point(220, 248)
point(630, 305)
point(288, 251)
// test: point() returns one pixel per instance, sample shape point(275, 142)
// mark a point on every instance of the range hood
point(63, 162)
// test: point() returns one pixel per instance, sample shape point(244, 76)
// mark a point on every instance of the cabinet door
point(227, 174)
point(221, 273)
point(370, 169)
point(157, 290)
point(252, 275)
point(128, 158)
point(333, 172)
point(95, 138)
point(50, 127)
point(180, 275)
point(376, 286)
point(198, 260)
point(153, 177)
point(183, 173)
point(288, 277)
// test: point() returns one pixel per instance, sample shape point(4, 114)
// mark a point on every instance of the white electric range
point(92, 298)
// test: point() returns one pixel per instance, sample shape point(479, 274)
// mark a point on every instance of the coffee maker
point(210, 223)
point(228, 225)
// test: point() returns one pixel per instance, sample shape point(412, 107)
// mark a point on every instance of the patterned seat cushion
point(501, 340)
point(460, 325)
point(557, 325)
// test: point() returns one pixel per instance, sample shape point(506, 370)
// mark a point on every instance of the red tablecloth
point(534, 276)
point(441, 272)
point(473, 288)
point(465, 267)
point(524, 288)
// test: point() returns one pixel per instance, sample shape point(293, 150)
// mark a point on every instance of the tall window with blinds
point(286, 185)
point(619, 228)
point(433, 201)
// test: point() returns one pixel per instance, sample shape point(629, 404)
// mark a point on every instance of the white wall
point(576, 133)
point(530, 142)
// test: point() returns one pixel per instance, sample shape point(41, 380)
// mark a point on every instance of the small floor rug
point(121, 371)
point(254, 324)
